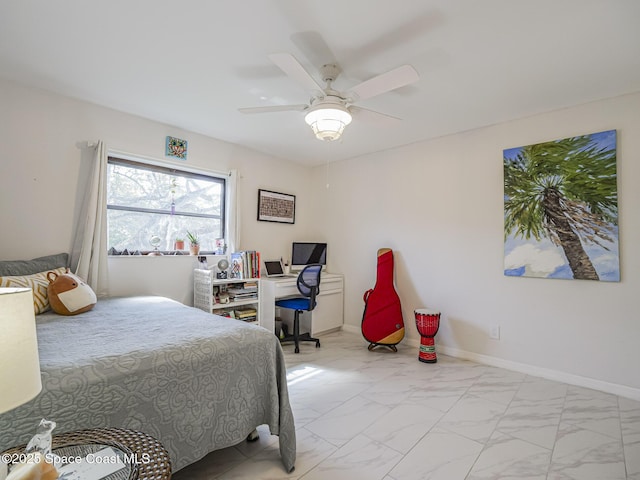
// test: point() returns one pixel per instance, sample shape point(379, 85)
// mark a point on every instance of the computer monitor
point(305, 253)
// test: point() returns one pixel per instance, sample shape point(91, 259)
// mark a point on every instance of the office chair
point(309, 286)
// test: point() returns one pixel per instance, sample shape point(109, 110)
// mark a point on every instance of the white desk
point(328, 314)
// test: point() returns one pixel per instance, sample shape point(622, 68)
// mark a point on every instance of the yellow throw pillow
point(37, 282)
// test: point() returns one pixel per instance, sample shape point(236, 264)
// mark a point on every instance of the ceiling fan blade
point(292, 67)
point(372, 116)
point(274, 108)
point(314, 48)
point(396, 78)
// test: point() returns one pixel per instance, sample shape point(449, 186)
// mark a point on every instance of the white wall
point(439, 205)
point(40, 164)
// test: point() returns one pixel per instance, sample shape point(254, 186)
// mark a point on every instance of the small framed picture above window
point(176, 147)
point(276, 207)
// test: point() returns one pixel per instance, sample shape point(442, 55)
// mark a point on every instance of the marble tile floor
point(383, 415)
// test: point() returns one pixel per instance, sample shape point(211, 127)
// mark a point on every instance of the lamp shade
point(328, 122)
point(19, 361)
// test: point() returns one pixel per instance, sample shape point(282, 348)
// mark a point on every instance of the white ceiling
point(192, 63)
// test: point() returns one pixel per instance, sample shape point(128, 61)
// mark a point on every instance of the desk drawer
point(327, 291)
point(287, 289)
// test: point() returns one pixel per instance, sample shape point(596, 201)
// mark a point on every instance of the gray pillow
point(37, 265)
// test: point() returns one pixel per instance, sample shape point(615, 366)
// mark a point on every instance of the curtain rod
point(154, 161)
point(162, 163)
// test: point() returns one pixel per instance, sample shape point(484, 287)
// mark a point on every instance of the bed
point(195, 381)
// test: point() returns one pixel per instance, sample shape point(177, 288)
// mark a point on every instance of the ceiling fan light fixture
point(328, 123)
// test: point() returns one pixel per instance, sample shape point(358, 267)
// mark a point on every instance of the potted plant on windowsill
point(179, 244)
point(194, 243)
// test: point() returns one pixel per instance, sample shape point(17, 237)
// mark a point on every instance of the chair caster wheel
point(297, 350)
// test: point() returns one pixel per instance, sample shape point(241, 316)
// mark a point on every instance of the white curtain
point(91, 233)
point(233, 212)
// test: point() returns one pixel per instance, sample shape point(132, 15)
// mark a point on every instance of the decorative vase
point(194, 249)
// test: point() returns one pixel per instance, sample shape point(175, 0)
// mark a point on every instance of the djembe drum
point(428, 322)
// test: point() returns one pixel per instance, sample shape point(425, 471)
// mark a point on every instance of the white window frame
point(230, 190)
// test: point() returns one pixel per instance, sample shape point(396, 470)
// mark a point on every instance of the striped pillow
point(38, 283)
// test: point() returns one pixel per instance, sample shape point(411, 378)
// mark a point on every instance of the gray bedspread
point(197, 382)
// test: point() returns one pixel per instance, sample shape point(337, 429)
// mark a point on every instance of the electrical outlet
point(494, 332)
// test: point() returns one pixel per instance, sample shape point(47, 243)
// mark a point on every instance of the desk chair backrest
point(309, 283)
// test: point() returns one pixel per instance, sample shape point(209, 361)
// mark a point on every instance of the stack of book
point(253, 286)
point(245, 264)
point(247, 314)
point(242, 293)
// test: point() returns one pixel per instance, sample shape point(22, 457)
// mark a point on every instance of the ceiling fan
point(329, 110)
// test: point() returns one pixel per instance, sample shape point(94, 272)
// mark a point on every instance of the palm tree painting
point(561, 209)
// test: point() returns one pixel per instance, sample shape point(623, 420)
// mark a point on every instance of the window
point(145, 200)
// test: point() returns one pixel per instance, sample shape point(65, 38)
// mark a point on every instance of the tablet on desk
point(274, 268)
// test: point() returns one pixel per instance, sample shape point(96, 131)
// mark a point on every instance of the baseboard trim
point(351, 329)
point(550, 374)
point(557, 375)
